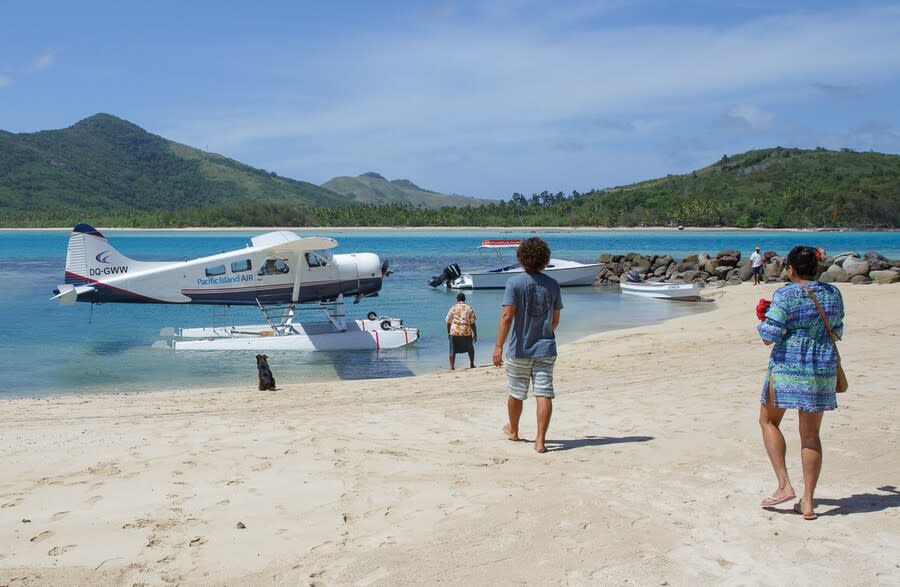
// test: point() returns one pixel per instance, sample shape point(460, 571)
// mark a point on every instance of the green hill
point(768, 187)
point(107, 165)
point(372, 188)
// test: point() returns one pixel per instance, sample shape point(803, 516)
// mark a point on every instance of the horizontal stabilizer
point(68, 294)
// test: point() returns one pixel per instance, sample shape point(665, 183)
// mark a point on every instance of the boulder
point(728, 260)
point(722, 271)
point(689, 276)
point(729, 253)
point(605, 258)
point(660, 271)
point(710, 266)
point(835, 274)
point(874, 256)
point(854, 267)
point(885, 276)
point(687, 266)
point(671, 269)
point(745, 272)
point(774, 268)
point(661, 261)
point(769, 255)
point(860, 279)
point(734, 281)
point(840, 258)
point(641, 264)
point(693, 259)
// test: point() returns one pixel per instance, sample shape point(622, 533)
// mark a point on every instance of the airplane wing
point(284, 242)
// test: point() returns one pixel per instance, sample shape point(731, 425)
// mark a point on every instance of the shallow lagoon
point(49, 349)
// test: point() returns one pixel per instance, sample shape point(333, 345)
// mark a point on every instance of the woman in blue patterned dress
point(802, 372)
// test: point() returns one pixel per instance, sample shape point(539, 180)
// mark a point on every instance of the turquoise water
point(49, 349)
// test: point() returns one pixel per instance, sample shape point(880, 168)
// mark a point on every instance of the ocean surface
point(48, 349)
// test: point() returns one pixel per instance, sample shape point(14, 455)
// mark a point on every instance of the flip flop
point(773, 501)
point(798, 510)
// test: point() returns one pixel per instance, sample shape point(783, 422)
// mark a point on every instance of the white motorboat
point(666, 291)
point(566, 273)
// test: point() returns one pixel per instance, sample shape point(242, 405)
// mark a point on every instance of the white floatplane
point(279, 272)
point(566, 273)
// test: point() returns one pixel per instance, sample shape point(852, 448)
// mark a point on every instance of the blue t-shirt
point(535, 296)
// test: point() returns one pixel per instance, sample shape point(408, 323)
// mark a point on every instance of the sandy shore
point(654, 477)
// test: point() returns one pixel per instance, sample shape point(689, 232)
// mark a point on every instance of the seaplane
point(279, 272)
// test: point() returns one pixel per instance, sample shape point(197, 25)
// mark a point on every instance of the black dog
point(266, 380)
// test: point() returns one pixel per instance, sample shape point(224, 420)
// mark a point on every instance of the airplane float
point(279, 272)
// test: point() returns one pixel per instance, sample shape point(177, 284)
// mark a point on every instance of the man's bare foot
point(540, 448)
point(514, 436)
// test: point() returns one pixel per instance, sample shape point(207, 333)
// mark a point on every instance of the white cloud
point(5, 81)
point(749, 117)
point(41, 62)
point(494, 86)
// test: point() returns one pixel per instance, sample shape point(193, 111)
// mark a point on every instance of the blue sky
point(476, 98)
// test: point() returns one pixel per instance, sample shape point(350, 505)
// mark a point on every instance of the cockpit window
point(273, 266)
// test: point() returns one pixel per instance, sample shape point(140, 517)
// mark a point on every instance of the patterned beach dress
point(803, 363)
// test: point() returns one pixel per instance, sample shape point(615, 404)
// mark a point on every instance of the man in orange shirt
point(461, 330)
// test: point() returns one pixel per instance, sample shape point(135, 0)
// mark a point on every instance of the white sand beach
point(654, 476)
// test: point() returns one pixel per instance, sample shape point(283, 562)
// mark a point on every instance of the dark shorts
point(759, 270)
point(461, 344)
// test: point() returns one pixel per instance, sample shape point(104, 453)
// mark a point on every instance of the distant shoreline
point(498, 229)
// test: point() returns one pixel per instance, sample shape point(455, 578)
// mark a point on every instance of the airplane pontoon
point(279, 272)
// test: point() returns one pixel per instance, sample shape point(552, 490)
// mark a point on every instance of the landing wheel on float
point(371, 315)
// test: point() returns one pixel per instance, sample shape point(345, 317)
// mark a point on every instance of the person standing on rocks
point(531, 305)
point(757, 262)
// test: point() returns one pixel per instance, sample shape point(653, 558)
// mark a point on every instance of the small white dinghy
point(666, 291)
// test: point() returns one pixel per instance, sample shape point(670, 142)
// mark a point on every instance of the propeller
point(386, 268)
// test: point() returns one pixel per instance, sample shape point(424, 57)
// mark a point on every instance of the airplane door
point(319, 278)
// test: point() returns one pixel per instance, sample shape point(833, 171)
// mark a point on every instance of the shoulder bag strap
point(834, 337)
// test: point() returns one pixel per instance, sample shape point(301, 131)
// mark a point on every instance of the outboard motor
point(633, 277)
point(449, 273)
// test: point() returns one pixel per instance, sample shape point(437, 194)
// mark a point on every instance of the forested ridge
point(111, 173)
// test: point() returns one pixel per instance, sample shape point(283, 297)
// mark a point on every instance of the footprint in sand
point(42, 536)
point(59, 515)
point(58, 550)
point(92, 500)
point(261, 466)
point(197, 541)
point(11, 504)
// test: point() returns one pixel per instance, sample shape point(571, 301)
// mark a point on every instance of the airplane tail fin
point(91, 258)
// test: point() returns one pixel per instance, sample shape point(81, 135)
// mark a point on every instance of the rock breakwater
point(728, 267)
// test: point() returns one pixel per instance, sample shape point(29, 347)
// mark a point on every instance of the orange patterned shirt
point(461, 317)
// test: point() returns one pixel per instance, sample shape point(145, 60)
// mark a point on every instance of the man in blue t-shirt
point(531, 306)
